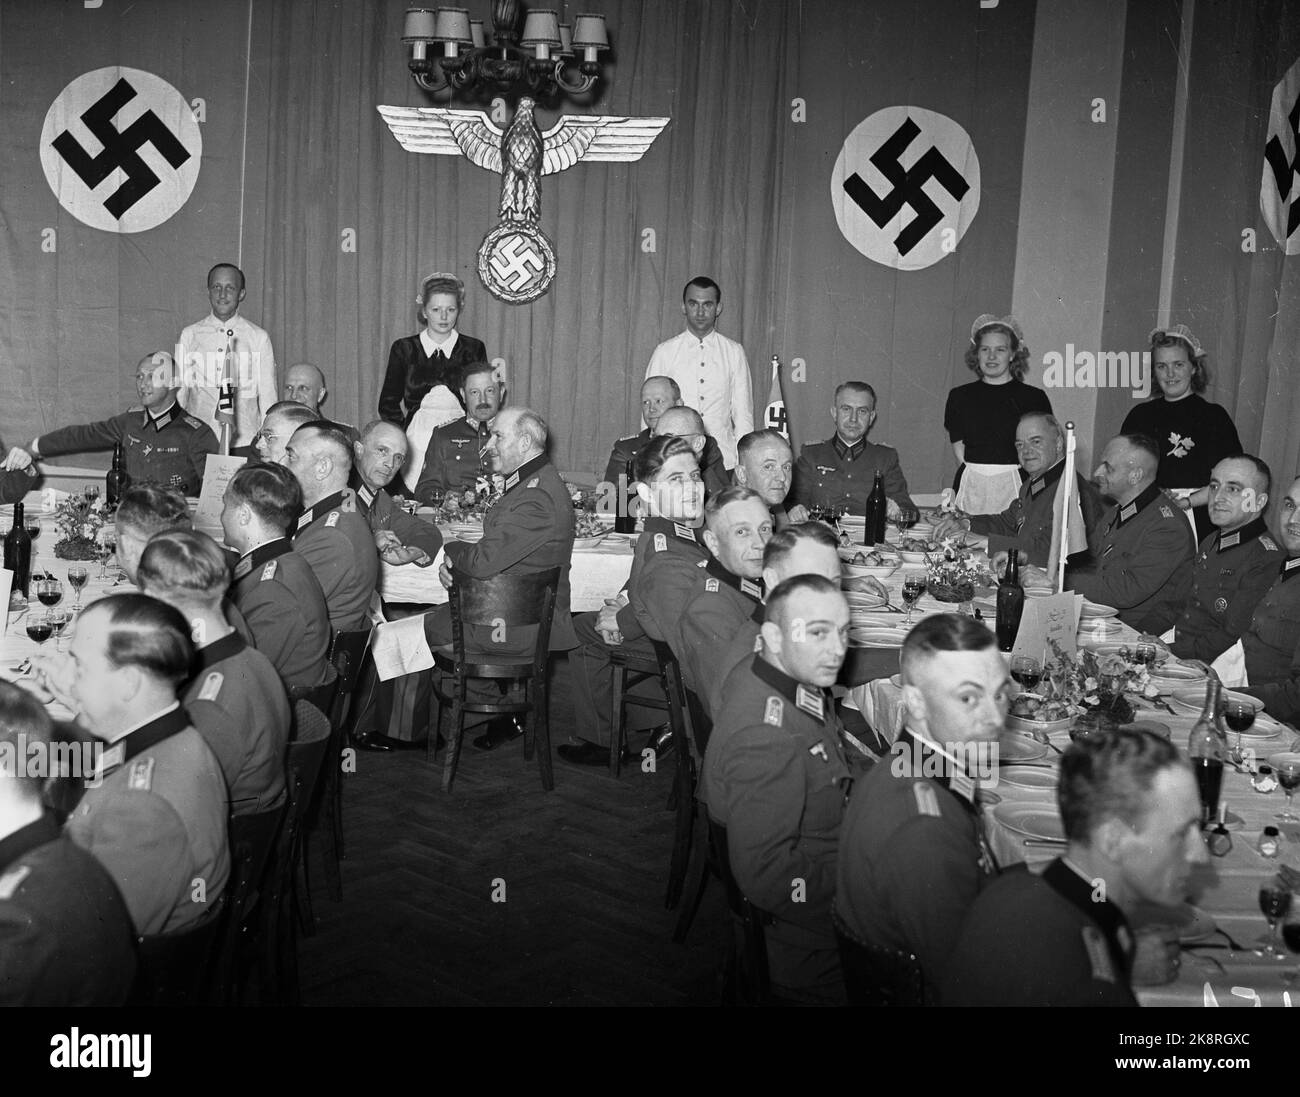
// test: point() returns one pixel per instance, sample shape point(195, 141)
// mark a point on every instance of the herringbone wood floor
point(583, 867)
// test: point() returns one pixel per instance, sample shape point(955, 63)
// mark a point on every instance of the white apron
point(439, 406)
point(987, 489)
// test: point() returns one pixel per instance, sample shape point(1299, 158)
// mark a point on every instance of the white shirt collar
point(695, 338)
point(426, 341)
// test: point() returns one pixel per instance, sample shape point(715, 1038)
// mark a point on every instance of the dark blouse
point(411, 374)
point(1193, 434)
point(985, 417)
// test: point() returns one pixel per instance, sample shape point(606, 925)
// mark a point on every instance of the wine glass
point(1239, 716)
point(91, 492)
point(33, 528)
point(1287, 768)
point(59, 621)
point(913, 588)
point(110, 550)
point(1274, 901)
point(1145, 651)
point(1027, 670)
point(49, 591)
point(77, 577)
point(39, 627)
point(902, 523)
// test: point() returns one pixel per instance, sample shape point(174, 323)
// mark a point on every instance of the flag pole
point(1068, 481)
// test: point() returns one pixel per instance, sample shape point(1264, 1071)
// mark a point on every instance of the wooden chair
point(174, 969)
point(252, 843)
point(629, 669)
point(700, 726)
point(320, 697)
point(746, 980)
point(682, 800)
point(512, 602)
point(278, 960)
point(875, 976)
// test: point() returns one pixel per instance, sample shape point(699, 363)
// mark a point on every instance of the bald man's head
point(305, 384)
point(658, 394)
point(684, 423)
point(1127, 467)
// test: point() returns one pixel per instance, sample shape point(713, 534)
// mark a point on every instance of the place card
point(216, 475)
point(1053, 619)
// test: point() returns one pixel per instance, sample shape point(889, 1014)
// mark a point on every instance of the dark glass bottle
point(1011, 603)
point(117, 481)
point(873, 530)
point(1207, 748)
point(624, 516)
point(18, 551)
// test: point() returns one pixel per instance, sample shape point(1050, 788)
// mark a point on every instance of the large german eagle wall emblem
point(516, 261)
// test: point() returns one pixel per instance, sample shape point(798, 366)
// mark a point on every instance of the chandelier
point(541, 60)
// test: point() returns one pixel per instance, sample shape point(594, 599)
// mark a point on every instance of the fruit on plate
point(1035, 708)
point(919, 544)
point(870, 559)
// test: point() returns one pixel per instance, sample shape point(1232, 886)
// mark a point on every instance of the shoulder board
point(1268, 542)
point(629, 438)
point(1098, 954)
point(1166, 511)
point(533, 482)
point(348, 504)
point(661, 543)
point(191, 422)
point(211, 686)
point(140, 775)
point(711, 585)
point(775, 710)
point(927, 803)
point(11, 880)
point(332, 519)
point(268, 572)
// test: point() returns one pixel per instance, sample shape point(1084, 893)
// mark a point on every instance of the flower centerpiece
point(79, 521)
point(952, 573)
point(1093, 687)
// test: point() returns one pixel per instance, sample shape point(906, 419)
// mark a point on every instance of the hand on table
point(949, 526)
point(405, 554)
point(998, 562)
point(16, 459)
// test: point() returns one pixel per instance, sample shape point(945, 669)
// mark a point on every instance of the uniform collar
point(747, 587)
point(37, 833)
point(709, 340)
point(814, 702)
point(163, 419)
point(1291, 567)
point(211, 654)
point(267, 550)
point(1046, 479)
point(848, 452)
point(1134, 507)
point(1072, 886)
point(329, 503)
point(655, 524)
point(524, 471)
point(1243, 535)
point(950, 773)
point(138, 740)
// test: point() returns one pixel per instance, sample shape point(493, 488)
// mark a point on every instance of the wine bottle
point(117, 481)
point(873, 531)
point(18, 551)
point(1208, 750)
point(1011, 603)
point(624, 518)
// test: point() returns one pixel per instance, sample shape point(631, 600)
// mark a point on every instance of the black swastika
point(776, 418)
point(1283, 169)
point(120, 149)
point(907, 187)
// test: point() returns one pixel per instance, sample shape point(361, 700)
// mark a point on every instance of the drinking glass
point(91, 492)
point(59, 621)
point(1239, 716)
point(39, 627)
point(110, 550)
point(77, 577)
point(913, 588)
point(1274, 901)
point(1027, 670)
point(1288, 776)
point(49, 591)
point(33, 528)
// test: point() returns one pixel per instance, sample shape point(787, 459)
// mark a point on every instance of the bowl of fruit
point(914, 550)
point(1031, 715)
point(865, 562)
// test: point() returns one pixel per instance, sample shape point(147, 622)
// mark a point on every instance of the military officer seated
point(161, 443)
point(658, 394)
point(775, 776)
point(65, 933)
point(528, 530)
point(1132, 823)
point(1235, 565)
point(912, 855)
point(377, 459)
point(764, 463)
point(1026, 525)
point(728, 588)
point(455, 461)
point(234, 697)
point(687, 423)
point(274, 588)
point(332, 535)
point(278, 425)
point(1272, 640)
point(144, 510)
point(838, 474)
point(1142, 547)
point(154, 810)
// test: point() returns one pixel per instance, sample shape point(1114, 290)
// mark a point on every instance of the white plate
point(1025, 726)
point(876, 637)
point(1094, 609)
point(1192, 923)
point(859, 571)
point(588, 542)
point(1033, 820)
point(1192, 701)
point(1038, 592)
point(1013, 747)
point(1035, 778)
point(863, 599)
point(913, 557)
point(865, 619)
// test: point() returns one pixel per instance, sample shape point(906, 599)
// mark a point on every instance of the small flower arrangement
point(952, 573)
point(1092, 684)
point(79, 521)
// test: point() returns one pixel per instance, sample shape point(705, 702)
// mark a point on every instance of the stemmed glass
point(91, 492)
point(110, 550)
point(77, 577)
point(1239, 716)
point(1027, 670)
point(913, 588)
point(902, 523)
point(59, 621)
point(1288, 776)
point(39, 627)
point(1274, 901)
point(49, 591)
point(33, 528)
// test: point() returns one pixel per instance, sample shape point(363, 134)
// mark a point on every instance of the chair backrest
point(347, 656)
point(877, 976)
point(504, 601)
point(670, 672)
point(750, 919)
point(321, 696)
point(252, 842)
point(173, 969)
point(701, 725)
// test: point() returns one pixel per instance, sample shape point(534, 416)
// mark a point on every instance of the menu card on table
point(216, 475)
point(1047, 620)
point(6, 585)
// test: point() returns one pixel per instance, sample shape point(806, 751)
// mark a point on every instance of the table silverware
point(1050, 843)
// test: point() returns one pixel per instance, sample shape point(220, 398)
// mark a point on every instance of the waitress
point(1193, 434)
point(981, 417)
point(421, 386)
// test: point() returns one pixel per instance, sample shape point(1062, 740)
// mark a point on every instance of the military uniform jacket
point(832, 474)
point(1041, 941)
point(65, 933)
point(719, 604)
point(1233, 571)
point(279, 597)
point(528, 530)
point(335, 539)
point(453, 461)
point(912, 857)
point(382, 513)
point(1027, 524)
point(624, 450)
point(665, 568)
point(155, 816)
point(237, 703)
point(170, 449)
point(1142, 554)
point(1272, 644)
point(774, 775)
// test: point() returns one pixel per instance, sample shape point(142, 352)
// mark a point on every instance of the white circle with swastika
point(121, 149)
point(516, 262)
point(1279, 189)
point(906, 187)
